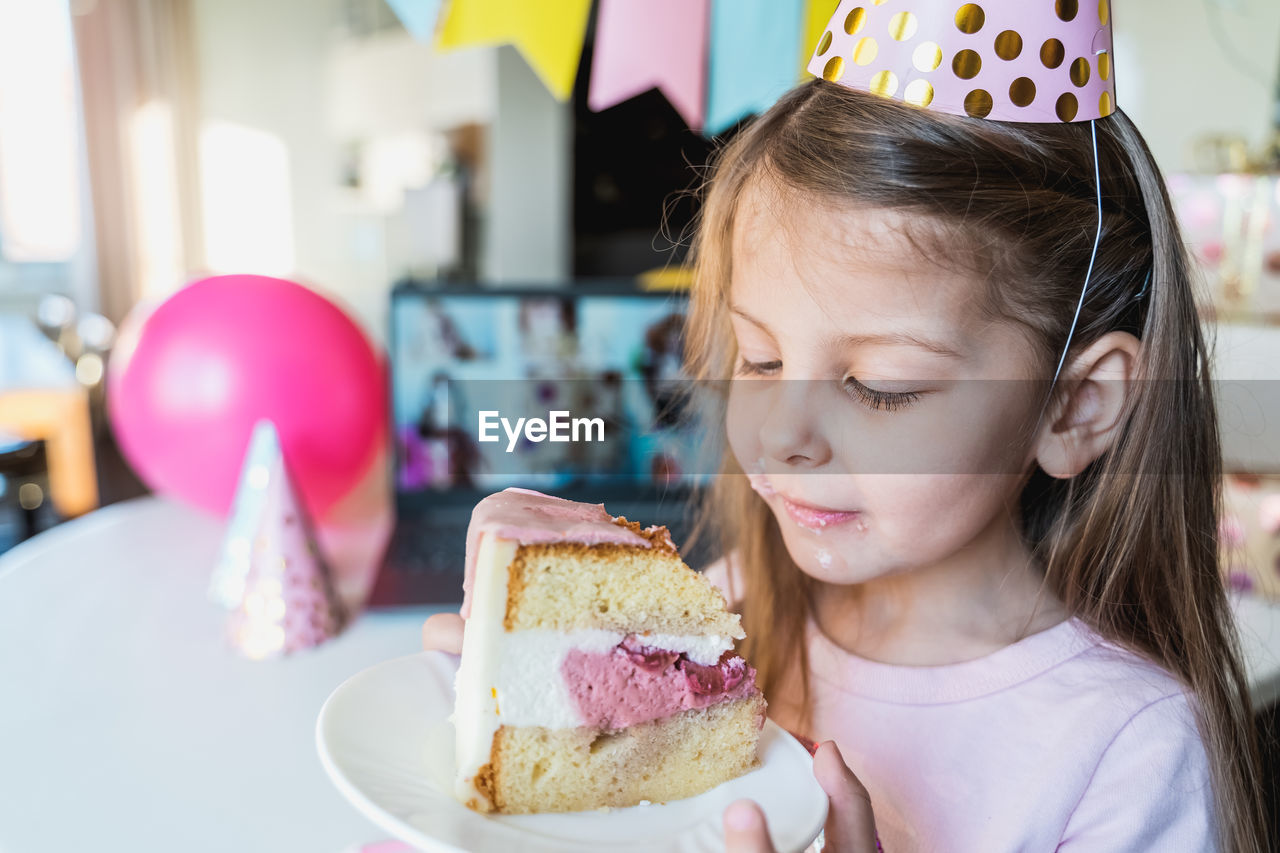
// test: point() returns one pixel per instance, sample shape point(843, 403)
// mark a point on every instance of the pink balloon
point(225, 352)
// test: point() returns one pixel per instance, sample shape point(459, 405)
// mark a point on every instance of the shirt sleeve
point(1151, 789)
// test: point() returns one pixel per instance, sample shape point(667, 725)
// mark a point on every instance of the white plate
point(385, 740)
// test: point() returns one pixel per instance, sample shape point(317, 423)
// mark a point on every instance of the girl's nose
point(790, 428)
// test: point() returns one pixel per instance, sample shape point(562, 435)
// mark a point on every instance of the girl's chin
point(839, 574)
point(841, 558)
point(828, 558)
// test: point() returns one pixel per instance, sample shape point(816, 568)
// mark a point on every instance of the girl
point(973, 529)
point(1008, 616)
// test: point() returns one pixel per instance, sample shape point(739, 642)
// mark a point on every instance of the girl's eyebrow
point(891, 338)
point(900, 339)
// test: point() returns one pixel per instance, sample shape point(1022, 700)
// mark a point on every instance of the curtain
point(140, 102)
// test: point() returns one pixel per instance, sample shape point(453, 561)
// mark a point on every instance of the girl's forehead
point(859, 264)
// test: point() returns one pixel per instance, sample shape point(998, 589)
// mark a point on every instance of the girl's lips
point(816, 518)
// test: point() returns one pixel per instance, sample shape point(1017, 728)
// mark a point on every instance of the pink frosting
point(633, 683)
point(530, 517)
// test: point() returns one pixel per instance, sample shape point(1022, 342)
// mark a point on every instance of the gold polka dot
point(1052, 53)
point(978, 103)
point(855, 19)
point(1104, 11)
point(881, 2)
point(884, 83)
point(1022, 91)
point(1104, 66)
point(918, 92)
point(866, 50)
point(1066, 9)
point(1080, 71)
point(927, 56)
point(1104, 105)
point(966, 64)
point(970, 18)
point(834, 69)
point(1067, 106)
point(1008, 45)
point(825, 44)
point(902, 26)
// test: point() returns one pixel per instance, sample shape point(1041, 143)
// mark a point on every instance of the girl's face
point(876, 410)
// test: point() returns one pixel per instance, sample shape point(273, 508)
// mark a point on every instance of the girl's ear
point(1085, 416)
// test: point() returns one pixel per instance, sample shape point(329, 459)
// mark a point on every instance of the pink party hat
point(272, 570)
point(1007, 60)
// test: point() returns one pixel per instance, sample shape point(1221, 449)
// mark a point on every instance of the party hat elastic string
point(1146, 282)
point(1097, 238)
point(1088, 275)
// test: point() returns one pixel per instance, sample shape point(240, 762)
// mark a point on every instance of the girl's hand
point(850, 827)
point(443, 633)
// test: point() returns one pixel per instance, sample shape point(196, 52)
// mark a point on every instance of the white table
point(126, 723)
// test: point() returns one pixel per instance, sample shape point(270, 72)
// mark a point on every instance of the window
point(45, 242)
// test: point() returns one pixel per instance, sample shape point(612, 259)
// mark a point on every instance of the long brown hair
point(1130, 545)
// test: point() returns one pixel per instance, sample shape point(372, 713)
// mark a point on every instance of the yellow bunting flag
point(548, 33)
point(816, 15)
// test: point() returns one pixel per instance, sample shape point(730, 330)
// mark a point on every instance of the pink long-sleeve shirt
point(1061, 741)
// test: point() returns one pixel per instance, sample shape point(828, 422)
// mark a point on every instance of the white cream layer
point(475, 709)
point(531, 689)
point(514, 678)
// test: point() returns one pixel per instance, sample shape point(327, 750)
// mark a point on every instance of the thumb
point(443, 632)
point(851, 827)
point(745, 830)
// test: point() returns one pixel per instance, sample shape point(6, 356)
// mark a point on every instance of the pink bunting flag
point(643, 44)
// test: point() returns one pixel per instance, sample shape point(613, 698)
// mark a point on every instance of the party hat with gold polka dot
point(283, 595)
point(1007, 60)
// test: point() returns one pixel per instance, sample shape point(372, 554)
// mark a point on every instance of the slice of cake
point(597, 668)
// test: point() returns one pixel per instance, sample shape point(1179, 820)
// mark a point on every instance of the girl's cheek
point(927, 517)
point(742, 422)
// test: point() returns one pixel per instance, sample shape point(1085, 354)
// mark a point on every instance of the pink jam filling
point(633, 683)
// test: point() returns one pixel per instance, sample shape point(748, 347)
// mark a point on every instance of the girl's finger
point(745, 830)
point(851, 827)
point(443, 633)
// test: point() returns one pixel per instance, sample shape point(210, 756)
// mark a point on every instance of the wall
point(530, 214)
point(1178, 83)
point(261, 67)
point(280, 68)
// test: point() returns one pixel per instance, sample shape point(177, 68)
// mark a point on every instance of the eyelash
point(757, 368)
point(888, 401)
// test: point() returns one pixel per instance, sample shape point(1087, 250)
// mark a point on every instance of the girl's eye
point(758, 368)
point(889, 401)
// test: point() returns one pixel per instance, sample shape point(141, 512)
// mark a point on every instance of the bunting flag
point(547, 33)
point(753, 54)
point(817, 13)
point(418, 16)
point(646, 44)
point(717, 61)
